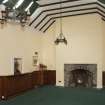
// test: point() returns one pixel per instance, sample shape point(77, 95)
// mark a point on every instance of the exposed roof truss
point(49, 11)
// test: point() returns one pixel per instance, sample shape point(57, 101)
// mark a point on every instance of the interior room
point(52, 52)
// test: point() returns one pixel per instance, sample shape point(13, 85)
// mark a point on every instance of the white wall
point(85, 44)
point(48, 48)
point(85, 36)
point(17, 42)
point(103, 30)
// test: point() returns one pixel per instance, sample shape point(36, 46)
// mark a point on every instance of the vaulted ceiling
point(45, 12)
point(49, 11)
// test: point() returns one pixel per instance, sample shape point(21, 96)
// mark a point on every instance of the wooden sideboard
point(15, 84)
point(103, 77)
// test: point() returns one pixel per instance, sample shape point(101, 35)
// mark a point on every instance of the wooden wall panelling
point(44, 77)
point(103, 75)
point(36, 78)
point(15, 84)
point(48, 77)
point(51, 77)
point(0, 87)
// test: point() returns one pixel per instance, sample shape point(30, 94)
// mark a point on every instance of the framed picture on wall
point(17, 65)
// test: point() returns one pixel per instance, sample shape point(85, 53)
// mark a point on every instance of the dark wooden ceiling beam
point(66, 7)
point(98, 12)
point(49, 25)
point(70, 15)
point(69, 11)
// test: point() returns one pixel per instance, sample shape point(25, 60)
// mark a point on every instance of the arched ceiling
point(45, 12)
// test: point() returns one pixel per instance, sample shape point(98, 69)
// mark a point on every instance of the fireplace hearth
point(80, 75)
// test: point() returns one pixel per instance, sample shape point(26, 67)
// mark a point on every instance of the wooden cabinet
point(103, 75)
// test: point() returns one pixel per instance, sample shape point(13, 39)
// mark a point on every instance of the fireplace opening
point(81, 78)
point(80, 75)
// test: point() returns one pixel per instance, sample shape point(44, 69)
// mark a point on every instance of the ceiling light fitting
point(61, 38)
point(14, 15)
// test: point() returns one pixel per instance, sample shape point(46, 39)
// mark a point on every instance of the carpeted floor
point(50, 95)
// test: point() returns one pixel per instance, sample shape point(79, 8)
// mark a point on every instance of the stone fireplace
point(80, 75)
